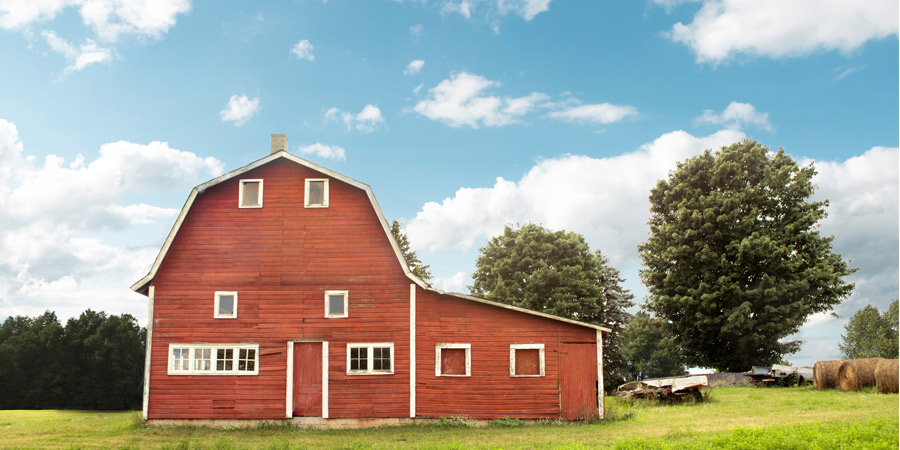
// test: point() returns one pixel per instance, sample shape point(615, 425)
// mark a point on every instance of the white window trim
point(346, 304)
point(219, 294)
point(236, 352)
point(370, 355)
point(306, 193)
point(512, 358)
point(437, 359)
point(241, 194)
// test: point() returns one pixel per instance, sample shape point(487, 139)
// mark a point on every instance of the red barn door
point(578, 380)
point(308, 379)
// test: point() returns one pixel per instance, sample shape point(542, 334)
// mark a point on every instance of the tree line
point(95, 361)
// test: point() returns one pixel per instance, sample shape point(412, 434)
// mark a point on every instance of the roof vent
point(279, 143)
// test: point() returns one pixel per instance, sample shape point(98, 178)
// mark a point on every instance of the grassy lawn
point(736, 418)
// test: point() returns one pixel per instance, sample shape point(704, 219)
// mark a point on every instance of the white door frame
point(289, 391)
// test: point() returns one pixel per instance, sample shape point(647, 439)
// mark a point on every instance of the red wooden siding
point(577, 388)
point(307, 379)
point(528, 361)
point(489, 392)
point(280, 259)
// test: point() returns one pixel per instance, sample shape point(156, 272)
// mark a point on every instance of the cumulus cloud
point(321, 150)
point(61, 239)
point(528, 9)
point(735, 115)
point(453, 283)
point(304, 50)
point(414, 67)
point(723, 29)
point(600, 113)
point(86, 54)
point(240, 109)
point(366, 120)
point(462, 100)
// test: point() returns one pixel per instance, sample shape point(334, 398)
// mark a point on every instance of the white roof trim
point(143, 282)
point(522, 310)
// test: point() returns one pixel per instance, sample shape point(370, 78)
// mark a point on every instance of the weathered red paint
point(307, 387)
point(576, 390)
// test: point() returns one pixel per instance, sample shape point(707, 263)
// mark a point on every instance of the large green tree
point(735, 262)
point(648, 351)
point(412, 260)
point(871, 334)
point(555, 272)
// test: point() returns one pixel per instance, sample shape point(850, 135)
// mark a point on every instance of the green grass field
point(735, 418)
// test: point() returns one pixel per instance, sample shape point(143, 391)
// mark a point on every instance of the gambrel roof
point(141, 286)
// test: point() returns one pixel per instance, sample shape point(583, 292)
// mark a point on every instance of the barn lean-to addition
point(280, 293)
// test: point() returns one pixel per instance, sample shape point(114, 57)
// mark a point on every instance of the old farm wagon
point(280, 293)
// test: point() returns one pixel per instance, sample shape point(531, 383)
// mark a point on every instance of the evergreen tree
point(735, 262)
point(415, 265)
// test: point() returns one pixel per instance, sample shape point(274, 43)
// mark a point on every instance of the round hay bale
point(825, 373)
point(856, 374)
point(886, 372)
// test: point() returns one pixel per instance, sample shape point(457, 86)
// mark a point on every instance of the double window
point(213, 359)
point(250, 194)
point(370, 359)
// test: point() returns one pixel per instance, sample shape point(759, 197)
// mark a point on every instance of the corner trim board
point(412, 350)
point(149, 347)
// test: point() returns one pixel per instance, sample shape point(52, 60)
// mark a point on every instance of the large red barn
point(281, 293)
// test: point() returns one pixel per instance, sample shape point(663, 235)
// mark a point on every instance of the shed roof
point(141, 286)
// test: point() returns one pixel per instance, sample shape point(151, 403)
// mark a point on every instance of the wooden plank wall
point(280, 259)
point(490, 392)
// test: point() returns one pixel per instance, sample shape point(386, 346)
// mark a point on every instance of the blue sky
point(462, 115)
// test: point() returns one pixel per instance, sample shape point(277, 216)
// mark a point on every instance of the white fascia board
point(522, 310)
point(142, 283)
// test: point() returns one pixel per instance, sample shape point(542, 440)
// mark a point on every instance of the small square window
point(370, 359)
point(202, 359)
point(181, 359)
point(251, 194)
point(247, 359)
point(224, 359)
point(316, 193)
point(526, 360)
point(226, 305)
point(453, 360)
point(336, 303)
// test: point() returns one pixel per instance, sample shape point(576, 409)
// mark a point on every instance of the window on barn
point(336, 303)
point(213, 359)
point(250, 194)
point(316, 193)
point(453, 360)
point(370, 359)
point(526, 360)
point(226, 305)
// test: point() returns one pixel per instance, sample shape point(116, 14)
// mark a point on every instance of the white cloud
point(417, 31)
point(605, 199)
point(722, 29)
point(304, 50)
point(491, 9)
point(843, 72)
point(601, 113)
point(62, 244)
point(418, 88)
point(332, 152)
point(735, 115)
point(81, 57)
point(463, 8)
point(366, 120)
point(240, 109)
point(525, 8)
point(414, 67)
point(453, 283)
point(461, 100)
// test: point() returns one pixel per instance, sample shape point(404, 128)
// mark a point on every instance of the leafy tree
point(415, 265)
point(555, 272)
point(870, 334)
point(648, 351)
point(735, 262)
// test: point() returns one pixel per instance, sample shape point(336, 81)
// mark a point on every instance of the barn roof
point(141, 286)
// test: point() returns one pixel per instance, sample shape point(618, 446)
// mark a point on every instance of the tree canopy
point(735, 262)
point(871, 334)
point(412, 260)
point(555, 272)
point(648, 351)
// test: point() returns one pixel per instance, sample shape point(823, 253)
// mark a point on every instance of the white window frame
point(324, 193)
point(241, 194)
point(512, 358)
point(454, 346)
point(370, 356)
point(219, 295)
point(346, 312)
point(236, 351)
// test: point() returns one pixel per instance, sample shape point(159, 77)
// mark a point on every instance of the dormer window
point(316, 193)
point(226, 305)
point(250, 194)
